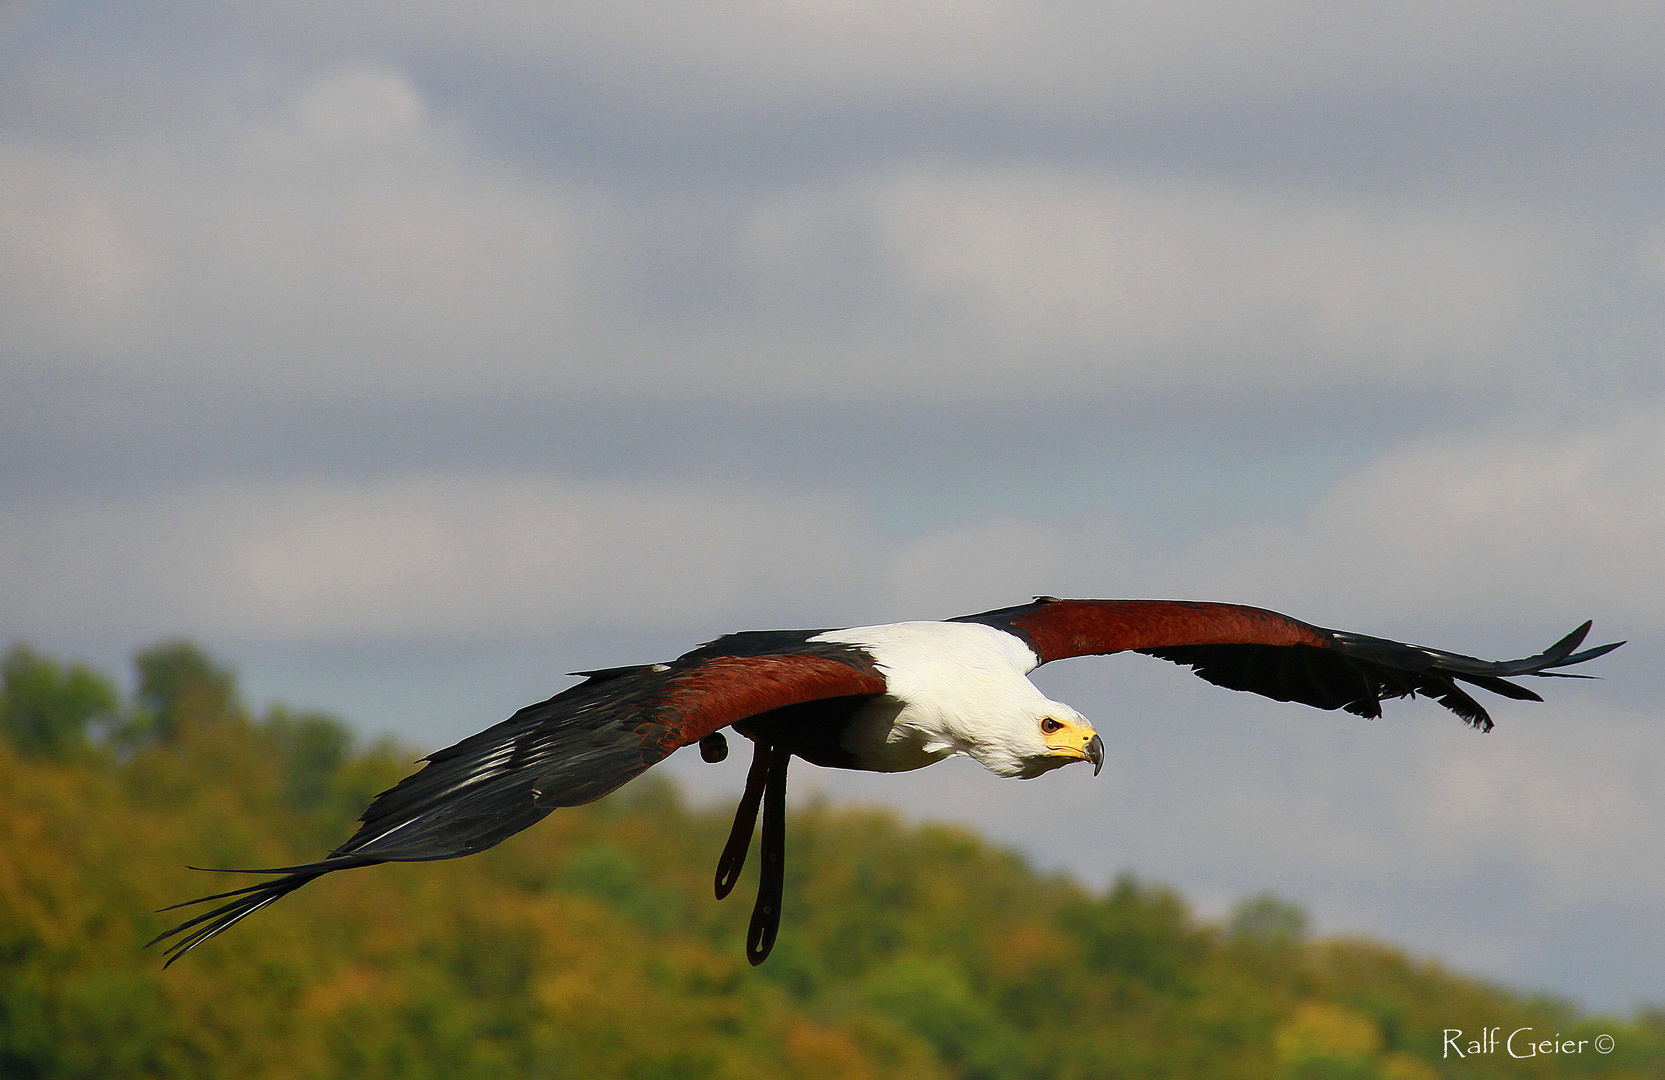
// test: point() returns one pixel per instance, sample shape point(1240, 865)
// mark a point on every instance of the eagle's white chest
point(952, 688)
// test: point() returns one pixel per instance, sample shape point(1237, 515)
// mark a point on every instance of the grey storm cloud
point(738, 55)
point(352, 242)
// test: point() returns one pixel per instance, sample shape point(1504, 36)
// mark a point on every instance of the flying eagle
point(884, 698)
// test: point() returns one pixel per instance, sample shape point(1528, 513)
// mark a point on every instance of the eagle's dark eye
point(1049, 725)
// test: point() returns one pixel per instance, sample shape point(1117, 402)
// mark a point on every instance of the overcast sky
point(409, 355)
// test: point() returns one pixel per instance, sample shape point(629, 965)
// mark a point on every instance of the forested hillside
point(590, 946)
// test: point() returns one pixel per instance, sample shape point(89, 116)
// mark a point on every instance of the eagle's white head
point(1025, 735)
point(1037, 744)
point(962, 688)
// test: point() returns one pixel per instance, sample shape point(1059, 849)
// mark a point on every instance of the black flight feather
point(1357, 672)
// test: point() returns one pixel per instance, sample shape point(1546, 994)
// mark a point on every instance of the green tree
point(181, 690)
point(1269, 919)
point(46, 709)
point(313, 746)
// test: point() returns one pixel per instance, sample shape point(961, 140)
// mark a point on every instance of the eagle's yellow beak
point(1076, 742)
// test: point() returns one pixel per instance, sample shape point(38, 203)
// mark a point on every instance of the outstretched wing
point(583, 743)
point(574, 748)
point(1247, 648)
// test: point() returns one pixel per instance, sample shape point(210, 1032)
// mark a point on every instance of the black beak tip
point(1095, 754)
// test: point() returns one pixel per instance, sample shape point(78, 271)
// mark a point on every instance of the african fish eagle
point(884, 698)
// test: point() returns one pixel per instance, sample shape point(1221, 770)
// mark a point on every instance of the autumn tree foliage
point(590, 945)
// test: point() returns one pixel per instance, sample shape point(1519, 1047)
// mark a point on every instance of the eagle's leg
point(745, 820)
point(772, 875)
